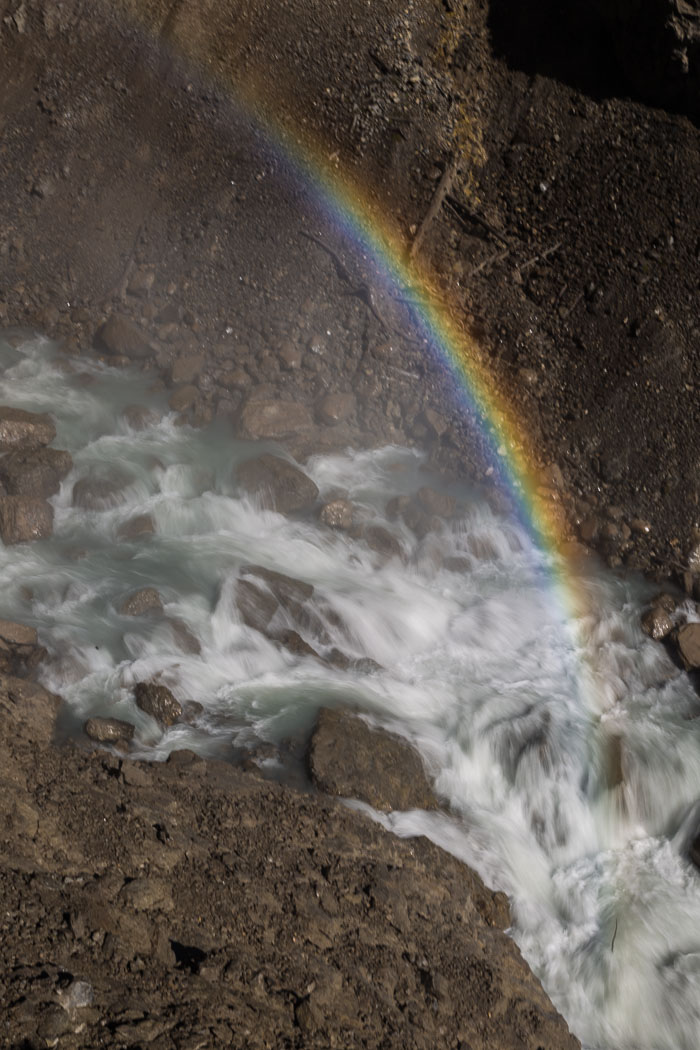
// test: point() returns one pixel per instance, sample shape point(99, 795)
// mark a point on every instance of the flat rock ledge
point(191, 904)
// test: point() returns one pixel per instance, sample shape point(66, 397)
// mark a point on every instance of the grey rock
point(38, 472)
point(147, 599)
point(158, 702)
point(20, 430)
point(24, 518)
point(135, 528)
point(255, 605)
point(139, 417)
point(382, 541)
point(108, 730)
point(94, 493)
point(278, 484)
point(184, 638)
point(286, 589)
point(123, 338)
point(349, 759)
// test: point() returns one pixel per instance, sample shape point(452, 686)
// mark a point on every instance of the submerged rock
point(278, 484)
point(93, 493)
point(145, 600)
point(158, 702)
point(336, 514)
point(382, 541)
point(20, 430)
point(20, 651)
point(135, 528)
point(37, 472)
point(24, 518)
point(352, 760)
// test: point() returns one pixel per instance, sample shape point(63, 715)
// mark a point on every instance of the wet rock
point(336, 408)
point(657, 623)
point(382, 541)
point(24, 518)
point(36, 473)
point(349, 759)
point(336, 514)
point(278, 484)
point(158, 702)
point(135, 528)
point(434, 502)
point(123, 338)
point(294, 643)
point(286, 589)
point(20, 430)
point(20, 651)
point(694, 560)
point(139, 417)
point(94, 493)
point(108, 730)
point(688, 642)
point(273, 419)
point(184, 638)
point(147, 599)
point(255, 605)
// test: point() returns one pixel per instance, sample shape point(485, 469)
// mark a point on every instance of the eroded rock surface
point(20, 430)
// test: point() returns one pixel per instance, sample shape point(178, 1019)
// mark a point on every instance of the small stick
point(487, 262)
point(442, 189)
point(542, 255)
point(612, 946)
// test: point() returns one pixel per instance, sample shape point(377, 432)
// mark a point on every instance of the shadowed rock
point(158, 702)
point(123, 338)
point(278, 484)
point(382, 541)
point(349, 759)
point(38, 472)
point(688, 641)
point(24, 518)
point(20, 430)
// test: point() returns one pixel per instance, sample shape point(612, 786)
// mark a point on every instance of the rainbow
point(352, 209)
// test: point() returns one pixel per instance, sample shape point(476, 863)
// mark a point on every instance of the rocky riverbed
point(150, 215)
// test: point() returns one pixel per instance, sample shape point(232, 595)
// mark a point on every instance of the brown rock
point(108, 730)
point(158, 702)
point(278, 484)
point(688, 641)
point(20, 430)
point(139, 417)
point(237, 379)
point(349, 759)
point(145, 600)
point(17, 634)
point(123, 338)
point(290, 356)
point(24, 518)
point(336, 408)
point(274, 419)
point(657, 623)
point(184, 638)
point(255, 605)
point(187, 367)
point(37, 473)
point(294, 643)
point(27, 710)
point(142, 525)
point(183, 398)
point(337, 514)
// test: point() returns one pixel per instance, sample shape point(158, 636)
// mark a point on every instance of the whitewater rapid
point(515, 709)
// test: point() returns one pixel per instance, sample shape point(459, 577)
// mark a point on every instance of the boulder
point(183, 636)
point(184, 398)
point(336, 408)
point(278, 484)
point(27, 710)
point(158, 702)
point(688, 642)
point(123, 338)
point(142, 601)
point(139, 417)
point(294, 643)
point(336, 514)
point(20, 651)
point(108, 730)
point(24, 518)
point(38, 472)
point(657, 623)
point(20, 430)
point(273, 419)
point(349, 759)
point(286, 589)
point(186, 368)
point(255, 605)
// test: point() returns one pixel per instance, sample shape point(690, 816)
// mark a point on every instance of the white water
point(513, 717)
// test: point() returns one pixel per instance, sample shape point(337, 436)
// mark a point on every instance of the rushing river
point(518, 714)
